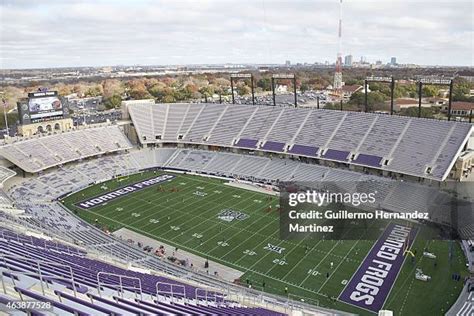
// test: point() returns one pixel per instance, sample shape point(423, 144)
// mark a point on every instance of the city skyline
point(106, 33)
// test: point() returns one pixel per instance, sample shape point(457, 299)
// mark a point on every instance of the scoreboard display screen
point(42, 106)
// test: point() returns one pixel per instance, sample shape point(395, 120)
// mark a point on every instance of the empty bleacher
point(417, 147)
point(40, 153)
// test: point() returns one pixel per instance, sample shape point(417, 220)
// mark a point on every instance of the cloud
point(52, 33)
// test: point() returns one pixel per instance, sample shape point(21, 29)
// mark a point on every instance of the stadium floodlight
point(437, 81)
point(380, 79)
point(4, 102)
point(389, 80)
point(284, 76)
point(241, 76)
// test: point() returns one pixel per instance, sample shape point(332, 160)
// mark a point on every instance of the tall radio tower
point(338, 73)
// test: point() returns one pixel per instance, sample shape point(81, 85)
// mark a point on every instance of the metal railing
point(121, 287)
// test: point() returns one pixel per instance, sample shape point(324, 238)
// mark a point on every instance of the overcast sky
point(52, 33)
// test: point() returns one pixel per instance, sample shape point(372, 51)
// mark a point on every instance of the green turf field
point(188, 219)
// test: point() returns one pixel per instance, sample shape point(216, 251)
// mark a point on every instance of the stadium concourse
point(255, 143)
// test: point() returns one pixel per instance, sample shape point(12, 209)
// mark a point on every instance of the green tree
point(430, 91)
point(375, 101)
point(461, 90)
point(11, 119)
point(265, 84)
point(413, 111)
point(113, 102)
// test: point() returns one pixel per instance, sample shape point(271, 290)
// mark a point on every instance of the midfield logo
point(228, 215)
point(274, 248)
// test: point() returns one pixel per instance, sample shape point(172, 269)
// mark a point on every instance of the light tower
point(338, 72)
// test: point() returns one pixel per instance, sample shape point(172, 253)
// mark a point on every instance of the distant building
point(393, 61)
point(467, 74)
point(349, 90)
point(288, 63)
point(404, 103)
point(437, 101)
point(348, 61)
point(281, 88)
point(378, 62)
point(460, 108)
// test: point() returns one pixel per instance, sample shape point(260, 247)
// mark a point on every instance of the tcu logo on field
point(274, 248)
point(228, 215)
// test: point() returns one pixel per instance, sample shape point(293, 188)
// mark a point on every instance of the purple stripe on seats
point(380, 268)
point(368, 160)
point(304, 150)
point(273, 146)
point(336, 155)
point(247, 143)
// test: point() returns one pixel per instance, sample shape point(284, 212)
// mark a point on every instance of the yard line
point(251, 196)
point(337, 243)
point(264, 256)
point(297, 264)
point(250, 237)
point(337, 267)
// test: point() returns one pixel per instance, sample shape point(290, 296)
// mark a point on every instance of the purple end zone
point(371, 284)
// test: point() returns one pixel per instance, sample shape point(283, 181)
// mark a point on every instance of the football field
point(240, 228)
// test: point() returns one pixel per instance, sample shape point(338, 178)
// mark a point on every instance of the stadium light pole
point(294, 91)
point(273, 91)
point(450, 99)
point(366, 99)
point(440, 81)
point(392, 92)
point(5, 114)
point(232, 90)
point(420, 92)
point(284, 76)
point(242, 76)
point(389, 80)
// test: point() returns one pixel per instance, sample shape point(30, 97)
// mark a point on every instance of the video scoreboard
point(42, 106)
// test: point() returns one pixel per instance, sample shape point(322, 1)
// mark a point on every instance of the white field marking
point(176, 178)
point(319, 263)
point(208, 202)
point(337, 267)
point(337, 243)
point(184, 214)
point(166, 207)
point(206, 219)
point(217, 259)
point(179, 210)
point(139, 205)
point(299, 261)
point(218, 222)
point(265, 255)
point(406, 296)
point(240, 232)
point(408, 277)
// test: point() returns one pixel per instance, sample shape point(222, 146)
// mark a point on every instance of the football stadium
point(177, 210)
